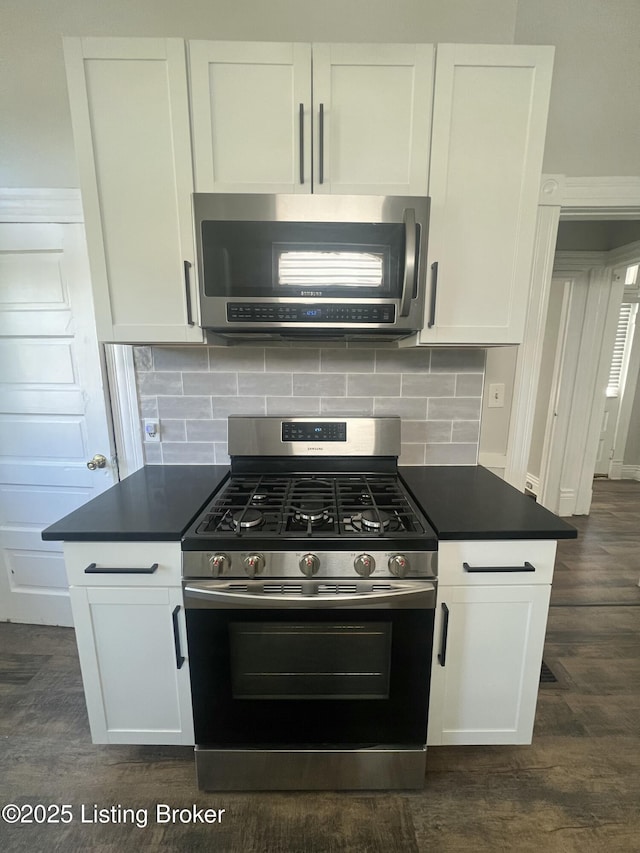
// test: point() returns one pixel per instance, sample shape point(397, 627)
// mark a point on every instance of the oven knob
point(309, 565)
point(398, 565)
point(253, 564)
point(218, 563)
point(364, 565)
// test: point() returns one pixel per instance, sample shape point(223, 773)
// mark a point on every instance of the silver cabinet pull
point(434, 290)
point(321, 144)
point(410, 243)
point(301, 120)
point(187, 286)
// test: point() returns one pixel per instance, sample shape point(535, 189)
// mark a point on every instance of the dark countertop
point(158, 502)
point(469, 502)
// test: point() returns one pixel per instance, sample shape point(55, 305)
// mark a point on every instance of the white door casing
point(53, 416)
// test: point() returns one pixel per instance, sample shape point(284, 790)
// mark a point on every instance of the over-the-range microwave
point(311, 266)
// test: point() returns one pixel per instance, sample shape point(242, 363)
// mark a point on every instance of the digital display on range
point(319, 432)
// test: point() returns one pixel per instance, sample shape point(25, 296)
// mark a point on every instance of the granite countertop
point(158, 503)
point(469, 502)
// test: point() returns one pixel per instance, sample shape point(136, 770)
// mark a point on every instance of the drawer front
point(123, 563)
point(496, 562)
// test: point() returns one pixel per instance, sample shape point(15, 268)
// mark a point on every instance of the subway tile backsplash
point(192, 390)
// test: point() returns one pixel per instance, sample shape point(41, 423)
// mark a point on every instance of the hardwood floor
point(575, 790)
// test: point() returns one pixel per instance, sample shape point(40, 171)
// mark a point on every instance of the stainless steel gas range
point(309, 588)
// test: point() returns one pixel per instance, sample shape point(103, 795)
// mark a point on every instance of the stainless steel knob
point(218, 563)
point(398, 565)
point(309, 565)
point(254, 564)
point(98, 461)
point(364, 565)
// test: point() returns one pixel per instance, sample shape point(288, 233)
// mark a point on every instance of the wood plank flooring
point(575, 790)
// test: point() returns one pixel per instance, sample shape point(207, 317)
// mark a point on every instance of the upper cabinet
point(288, 118)
point(489, 124)
point(156, 119)
point(130, 114)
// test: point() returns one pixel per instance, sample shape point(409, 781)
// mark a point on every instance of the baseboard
point(532, 484)
point(567, 502)
point(630, 472)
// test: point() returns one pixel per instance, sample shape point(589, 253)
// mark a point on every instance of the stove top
point(292, 506)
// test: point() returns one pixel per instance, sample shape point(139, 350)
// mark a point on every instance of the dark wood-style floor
point(575, 790)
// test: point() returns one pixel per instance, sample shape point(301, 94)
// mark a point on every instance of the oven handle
point(419, 599)
point(410, 243)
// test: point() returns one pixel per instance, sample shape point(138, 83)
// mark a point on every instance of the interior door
point(53, 416)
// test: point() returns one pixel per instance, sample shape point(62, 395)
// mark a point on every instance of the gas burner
point(375, 520)
point(259, 498)
point(246, 519)
point(314, 511)
point(366, 498)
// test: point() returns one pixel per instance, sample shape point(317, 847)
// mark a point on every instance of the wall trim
point(532, 483)
point(567, 502)
point(40, 205)
point(123, 395)
point(614, 197)
point(631, 472)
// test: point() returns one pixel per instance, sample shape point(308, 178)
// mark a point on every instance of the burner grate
point(309, 505)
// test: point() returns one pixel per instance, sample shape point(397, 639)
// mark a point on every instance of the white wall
point(37, 147)
point(594, 116)
point(494, 425)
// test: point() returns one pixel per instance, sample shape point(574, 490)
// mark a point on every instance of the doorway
point(586, 348)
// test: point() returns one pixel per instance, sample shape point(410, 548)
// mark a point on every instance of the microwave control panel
point(290, 312)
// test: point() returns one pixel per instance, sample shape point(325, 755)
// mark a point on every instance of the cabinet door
point(372, 118)
point(130, 115)
point(135, 691)
point(486, 691)
point(489, 123)
point(251, 115)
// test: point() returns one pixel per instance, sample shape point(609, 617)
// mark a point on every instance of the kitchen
point(344, 363)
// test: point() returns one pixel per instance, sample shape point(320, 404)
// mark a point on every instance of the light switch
point(496, 395)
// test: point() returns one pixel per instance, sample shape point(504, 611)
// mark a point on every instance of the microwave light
point(331, 269)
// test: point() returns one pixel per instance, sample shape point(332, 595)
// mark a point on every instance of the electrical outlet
point(496, 395)
point(151, 430)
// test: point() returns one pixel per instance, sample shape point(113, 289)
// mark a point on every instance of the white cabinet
point(130, 114)
point(493, 600)
point(289, 117)
point(489, 122)
point(131, 636)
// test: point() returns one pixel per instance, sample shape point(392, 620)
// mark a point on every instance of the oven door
point(314, 666)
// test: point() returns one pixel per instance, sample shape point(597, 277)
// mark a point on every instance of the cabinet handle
point(527, 567)
point(442, 655)
point(187, 287)
point(434, 291)
point(409, 280)
point(92, 569)
point(321, 140)
point(301, 120)
point(176, 637)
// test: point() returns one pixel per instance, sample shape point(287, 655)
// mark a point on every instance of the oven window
point(329, 268)
point(323, 660)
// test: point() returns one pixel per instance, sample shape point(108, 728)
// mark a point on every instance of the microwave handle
point(410, 241)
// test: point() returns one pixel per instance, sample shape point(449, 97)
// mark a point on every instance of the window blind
point(616, 370)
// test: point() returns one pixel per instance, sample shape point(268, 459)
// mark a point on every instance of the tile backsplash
point(192, 390)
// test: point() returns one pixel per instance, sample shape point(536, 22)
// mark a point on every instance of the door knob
point(98, 461)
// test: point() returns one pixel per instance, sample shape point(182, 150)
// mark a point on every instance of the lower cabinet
point(489, 636)
point(132, 641)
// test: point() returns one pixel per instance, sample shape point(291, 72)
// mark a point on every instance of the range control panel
point(314, 432)
point(289, 312)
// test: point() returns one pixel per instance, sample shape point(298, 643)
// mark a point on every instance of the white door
point(251, 116)
point(52, 411)
point(372, 118)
